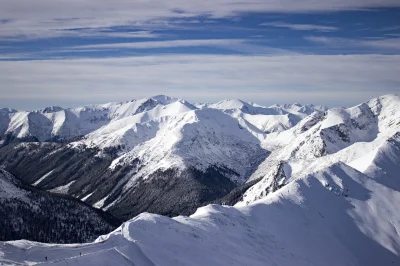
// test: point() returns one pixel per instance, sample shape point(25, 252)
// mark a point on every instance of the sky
point(76, 52)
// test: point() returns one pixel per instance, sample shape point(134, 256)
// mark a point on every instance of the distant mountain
point(27, 213)
point(264, 120)
point(159, 154)
point(58, 124)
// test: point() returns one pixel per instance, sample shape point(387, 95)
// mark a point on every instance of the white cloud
point(24, 34)
point(397, 27)
point(239, 45)
point(325, 79)
point(391, 44)
point(42, 17)
point(107, 33)
point(164, 44)
point(303, 27)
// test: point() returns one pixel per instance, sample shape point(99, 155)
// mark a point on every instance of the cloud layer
point(217, 49)
point(45, 18)
point(387, 44)
point(332, 80)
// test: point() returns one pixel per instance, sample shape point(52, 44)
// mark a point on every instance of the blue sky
point(75, 52)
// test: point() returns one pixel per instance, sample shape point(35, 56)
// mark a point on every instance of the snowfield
point(336, 216)
point(328, 190)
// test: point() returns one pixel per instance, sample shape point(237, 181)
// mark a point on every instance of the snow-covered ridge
point(337, 216)
point(320, 140)
point(65, 124)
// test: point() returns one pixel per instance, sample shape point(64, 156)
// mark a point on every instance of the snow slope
point(340, 135)
point(336, 216)
point(9, 189)
point(66, 124)
point(197, 138)
point(300, 110)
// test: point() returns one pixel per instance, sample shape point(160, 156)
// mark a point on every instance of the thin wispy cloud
point(397, 27)
point(165, 44)
point(388, 44)
point(108, 33)
point(239, 45)
point(301, 27)
point(23, 35)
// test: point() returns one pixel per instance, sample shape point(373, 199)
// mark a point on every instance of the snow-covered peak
point(130, 130)
point(339, 128)
point(66, 124)
point(163, 99)
point(299, 109)
point(388, 101)
point(245, 107)
point(230, 104)
point(382, 162)
point(260, 120)
point(7, 111)
point(51, 109)
point(387, 111)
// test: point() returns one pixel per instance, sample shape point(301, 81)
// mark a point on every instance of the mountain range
point(161, 154)
point(308, 185)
